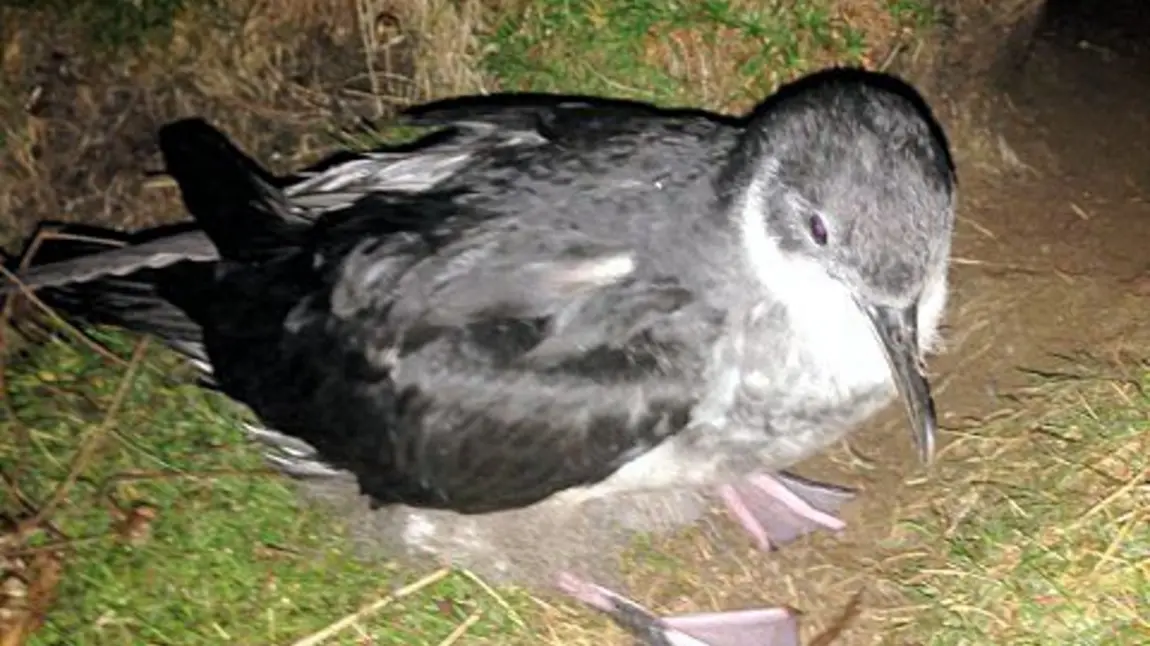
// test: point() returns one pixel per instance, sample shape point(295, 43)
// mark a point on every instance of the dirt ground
point(1051, 254)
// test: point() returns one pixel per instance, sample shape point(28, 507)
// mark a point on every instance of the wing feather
point(542, 363)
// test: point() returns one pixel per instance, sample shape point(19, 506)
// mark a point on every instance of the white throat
point(833, 329)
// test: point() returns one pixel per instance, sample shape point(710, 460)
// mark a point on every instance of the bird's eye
point(818, 230)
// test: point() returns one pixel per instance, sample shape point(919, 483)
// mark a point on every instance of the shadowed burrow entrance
point(1118, 25)
point(1074, 128)
point(1054, 218)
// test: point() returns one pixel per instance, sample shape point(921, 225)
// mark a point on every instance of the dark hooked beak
point(898, 331)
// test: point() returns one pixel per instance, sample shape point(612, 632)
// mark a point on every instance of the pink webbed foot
point(776, 509)
point(758, 627)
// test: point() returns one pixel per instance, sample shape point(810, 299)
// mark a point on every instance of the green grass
point(1046, 536)
point(232, 556)
point(716, 52)
point(914, 13)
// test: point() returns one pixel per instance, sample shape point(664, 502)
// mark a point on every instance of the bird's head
point(848, 177)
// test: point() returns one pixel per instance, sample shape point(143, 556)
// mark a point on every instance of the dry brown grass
point(278, 75)
point(885, 33)
point(711, 58)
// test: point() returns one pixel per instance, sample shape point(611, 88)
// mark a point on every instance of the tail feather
point(158, 286)
point(88, 260)
point(237, 203)
point(133, 302)
point(98, 277)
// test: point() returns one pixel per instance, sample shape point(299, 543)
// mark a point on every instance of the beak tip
point(897, 331)
point(926, 455)
point(926, 448)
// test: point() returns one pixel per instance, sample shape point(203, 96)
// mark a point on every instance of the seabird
point(569, 299)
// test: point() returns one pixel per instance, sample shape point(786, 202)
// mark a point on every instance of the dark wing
point(446, 355)
point(467, 130)
point(537, 112)
point(473, 132)
point(481, 115)
point(489, 373)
